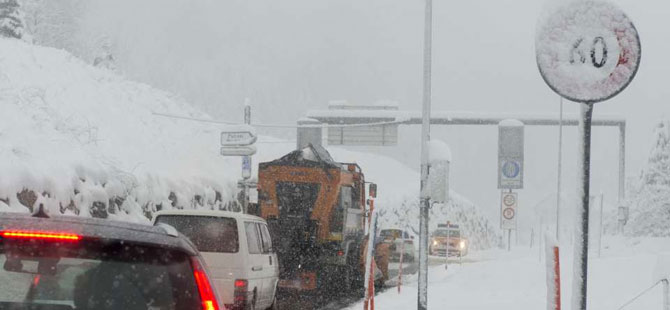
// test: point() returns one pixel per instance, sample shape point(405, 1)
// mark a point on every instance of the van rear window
point(208, 233)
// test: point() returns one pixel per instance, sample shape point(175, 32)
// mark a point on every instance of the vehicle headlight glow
point(462, 244)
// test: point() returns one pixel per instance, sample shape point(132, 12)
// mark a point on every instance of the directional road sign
point(238, 150)
point(240, 135)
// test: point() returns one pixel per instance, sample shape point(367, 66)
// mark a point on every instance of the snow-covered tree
point(650, 202)
point(11, 19)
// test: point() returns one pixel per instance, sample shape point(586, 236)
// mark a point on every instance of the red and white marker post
point(553, 273)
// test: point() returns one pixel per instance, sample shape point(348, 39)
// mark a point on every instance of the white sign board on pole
point(508, 205)
point(238, 150)
point(239, 135)
point(246, 167)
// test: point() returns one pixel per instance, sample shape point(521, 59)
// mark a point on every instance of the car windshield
point(447, 233)
point(109, 276)
point(208, 233)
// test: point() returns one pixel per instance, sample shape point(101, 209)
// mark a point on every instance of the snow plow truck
point(316, 211)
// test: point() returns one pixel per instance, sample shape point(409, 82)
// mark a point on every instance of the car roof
point(99, 229)
point(214, 213)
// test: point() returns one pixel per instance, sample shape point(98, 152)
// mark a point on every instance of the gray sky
point(293, 55)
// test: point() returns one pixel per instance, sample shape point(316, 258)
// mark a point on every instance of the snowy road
point(516, 280)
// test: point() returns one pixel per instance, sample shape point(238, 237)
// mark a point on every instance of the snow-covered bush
point(649, 199)
point(11, 19)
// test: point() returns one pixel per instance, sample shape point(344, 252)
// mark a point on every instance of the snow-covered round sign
point(587, 51)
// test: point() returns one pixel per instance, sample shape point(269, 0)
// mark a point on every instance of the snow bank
point(84, 140)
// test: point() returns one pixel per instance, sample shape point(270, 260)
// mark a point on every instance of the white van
point(238, 252)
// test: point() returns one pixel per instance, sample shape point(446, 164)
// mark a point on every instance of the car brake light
point(240, 294)
point(54, 236)
point(240, 283)
point(207, 295)
point(340, 253)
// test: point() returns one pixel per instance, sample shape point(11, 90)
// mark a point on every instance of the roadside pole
point(582, 229)
point(246, 160)
point(369, 284)
point(422, 298)
point(666, 294)
point(509, 240)
point(560, 168)
point(600, 235)
point(402, 254)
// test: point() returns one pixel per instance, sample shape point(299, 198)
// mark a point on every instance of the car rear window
point(208, 233)
point(98, 275)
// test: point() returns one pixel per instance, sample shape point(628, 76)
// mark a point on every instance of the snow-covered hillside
point(78, 134)
point(85, 140)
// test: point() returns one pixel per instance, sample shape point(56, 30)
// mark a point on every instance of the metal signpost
point(239, 141)
point(510, 172)
point(422, 298)
point(508, 211)
point(586, 52)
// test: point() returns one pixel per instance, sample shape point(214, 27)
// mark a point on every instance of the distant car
point(397, 237)
point(448, 240)
point(238, 251)
point(64, 263)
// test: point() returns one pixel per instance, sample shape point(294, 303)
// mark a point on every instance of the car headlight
point(462, 244)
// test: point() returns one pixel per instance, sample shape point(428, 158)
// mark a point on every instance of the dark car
point(83, 263)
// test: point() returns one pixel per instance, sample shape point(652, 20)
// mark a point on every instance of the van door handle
point(256, 268)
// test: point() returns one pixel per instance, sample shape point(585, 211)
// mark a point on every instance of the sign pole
point(422, 298)
point(582, 229)
point(560, 164)
point(246, 160)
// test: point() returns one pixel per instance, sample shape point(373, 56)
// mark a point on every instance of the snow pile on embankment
point(82, 139)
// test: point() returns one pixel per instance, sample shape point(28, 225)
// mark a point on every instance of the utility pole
point(560, 168)
point(422, 302)
point(246, 161)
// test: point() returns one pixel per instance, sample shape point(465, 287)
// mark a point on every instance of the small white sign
point(246, 167)
point(508, 208)
point(238, 150)
point(241, 135)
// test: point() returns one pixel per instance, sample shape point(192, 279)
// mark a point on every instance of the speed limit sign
point(587, 51)
point(508, 207)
